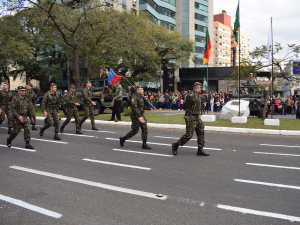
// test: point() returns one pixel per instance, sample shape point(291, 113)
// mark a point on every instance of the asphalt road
point(90, 179)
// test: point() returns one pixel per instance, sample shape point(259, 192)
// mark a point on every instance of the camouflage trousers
point(191, 126)
point(17, 128)
point(136, 124)
point(51, 113)
point(88, 112)
point(6, 111)
point(72, 112)
point(32, 112)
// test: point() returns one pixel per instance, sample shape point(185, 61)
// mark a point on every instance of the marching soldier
point(88, 105)
point(21, 108)
point(116, 111)
point(71, 103)
point(5, 103)
point(30, 95)
point(137, 117)
point(194, 105)
point(50, 107)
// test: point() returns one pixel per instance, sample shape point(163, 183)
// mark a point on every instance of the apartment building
point(245, 45)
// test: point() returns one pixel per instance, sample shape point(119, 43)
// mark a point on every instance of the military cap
point(6, 83)
point(197, 83)
point(88, 81)
point(72, 86)
point(30, 84)
point(139, 86)
point(53, 84)
point(21, 87)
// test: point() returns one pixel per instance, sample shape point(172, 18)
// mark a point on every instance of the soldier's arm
point(14, 106)
point(145, 105)
point(135, 108)
point(45, 100)
point(30, 111)
point(86, 95)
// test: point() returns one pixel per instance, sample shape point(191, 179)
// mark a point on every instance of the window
point(201, 7)
point(199, 50)
point(199, 39)
point(161, 22)
point(199, 61)
point(159, 9)
point(200, 17)
point(200, 28)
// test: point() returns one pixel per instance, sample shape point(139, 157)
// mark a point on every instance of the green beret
point(72, 86)
point(53, 84)
point(197, 83)
point(30, 84)
point(6, 83)
point(21, 87)
point(139, 86)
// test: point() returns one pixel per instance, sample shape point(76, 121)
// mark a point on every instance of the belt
point(192, 117)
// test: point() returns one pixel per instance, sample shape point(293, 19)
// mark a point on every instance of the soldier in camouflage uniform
point(71, 103)
point(5, 103)
point(50, 107)
point(194, 104)
point(137, 117)
point(88, 105)
point(21, 108)
point(30, 95)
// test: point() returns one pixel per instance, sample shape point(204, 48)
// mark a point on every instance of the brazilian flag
point(236, 25)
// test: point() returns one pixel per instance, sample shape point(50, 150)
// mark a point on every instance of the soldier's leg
point(200, 138)
point(190, 127)
point(92, 115)
point(2, 116)
point(56, 121)
point(134, 128)
point(69, 116)
point(16, 130)
point(76, 116)
point(34, 119)
point(144, 130)
point(48, 120)
point(86, 114)
point(26, 132)
point(9, 117)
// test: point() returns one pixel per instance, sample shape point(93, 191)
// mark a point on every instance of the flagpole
point(239, 79)
point(272, 70)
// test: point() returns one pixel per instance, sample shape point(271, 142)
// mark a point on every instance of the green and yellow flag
point(236, 25)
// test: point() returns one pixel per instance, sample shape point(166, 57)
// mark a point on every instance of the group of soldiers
point(20, 107)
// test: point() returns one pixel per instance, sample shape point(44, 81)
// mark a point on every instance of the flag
point(269, 45)
point(236, 25)
point(112, 78)
point(204, 84)
point(208, 49)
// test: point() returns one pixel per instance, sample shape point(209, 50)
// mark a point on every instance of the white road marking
point(30, 207)
point(79, 135)
point(274, 166)
point(287, 146)
point(268, 184)
point(174, 138)
point(153, 143)
point(4, 128)
point(60, 142)
point(91, 183)
point(260, 213)
point(117, 164)
point(146, 153)
point(23, 149)
point(100, 131)
point(270, 153)
point(171, 114)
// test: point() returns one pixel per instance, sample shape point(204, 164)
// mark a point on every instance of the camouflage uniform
point(31, 98)
point(51, 104)
point(71, 99)
point(137, 106)
point(21, 107)
point(88, 106)
point(194, 104)
point(5, 105)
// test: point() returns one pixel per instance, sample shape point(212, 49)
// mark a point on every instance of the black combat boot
point(78, 130)
point(80, 124)
point(28, 145)
point(33, 127)
point(8, 142)
point(94, 128)
point(122, 141)
point(42, 131)
point(145, 146)
point(201, 152)
point(56, 137)
point(175, 148)
point(61, 130)
point(9, 130)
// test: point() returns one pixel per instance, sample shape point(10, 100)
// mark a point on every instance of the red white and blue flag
point(112, 78)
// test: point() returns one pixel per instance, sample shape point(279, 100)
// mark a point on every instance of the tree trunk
point(89, 69)
point(77, 74)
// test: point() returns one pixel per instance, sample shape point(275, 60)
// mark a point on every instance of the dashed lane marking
point(287, 146)
point(163, 144)
point(146, 153)
point(193, 139)
point(260, 213)
point(274, 166)
point(91, 183)
point(78, 135)
point(268, 184)
point(270, 153)
point(30, 207)
point(23, 149)
point(100, 131)
point(59, 142)
point(117, 164)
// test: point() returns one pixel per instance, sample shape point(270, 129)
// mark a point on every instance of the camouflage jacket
point(30, 96)
point(5, 98)
point(50, 101)
point(194, 103)
point(71, 99)
point(21, 107)
point(137, 105)
point(87, 96)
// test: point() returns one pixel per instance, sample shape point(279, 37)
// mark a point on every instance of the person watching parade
point(21, 108)
point(5, 103)
point(30, 95)
point(194, 103)
point(50, 107)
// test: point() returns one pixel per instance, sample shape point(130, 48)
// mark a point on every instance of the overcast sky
point(255, 19)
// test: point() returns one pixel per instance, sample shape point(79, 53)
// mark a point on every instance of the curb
point(207, 128)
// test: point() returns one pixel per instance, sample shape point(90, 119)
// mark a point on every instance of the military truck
point(102, 96)
point(255, 97)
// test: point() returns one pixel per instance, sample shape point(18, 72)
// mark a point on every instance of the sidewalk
point(207, 128)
